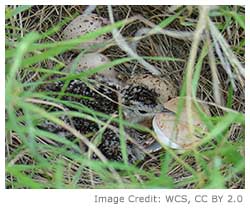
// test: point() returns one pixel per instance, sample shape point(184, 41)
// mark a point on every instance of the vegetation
point(209, 66)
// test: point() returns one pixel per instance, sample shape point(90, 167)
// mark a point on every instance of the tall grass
point(36, 158)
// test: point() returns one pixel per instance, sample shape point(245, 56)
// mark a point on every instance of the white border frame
point(84, 198)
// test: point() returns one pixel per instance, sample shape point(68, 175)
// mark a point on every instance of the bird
point(141, 103)
point(164, 87)
point(138, 101)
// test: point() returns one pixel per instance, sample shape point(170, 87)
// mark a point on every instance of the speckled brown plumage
point(96, 100)
point(165, 89)
point(138, 101)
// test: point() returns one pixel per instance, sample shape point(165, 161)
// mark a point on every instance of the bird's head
point(140, 103)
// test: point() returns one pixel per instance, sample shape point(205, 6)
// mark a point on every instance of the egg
point(84, 24)
point(175, 134)
point(92, 60)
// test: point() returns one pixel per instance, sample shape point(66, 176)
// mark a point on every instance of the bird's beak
point(166, 110)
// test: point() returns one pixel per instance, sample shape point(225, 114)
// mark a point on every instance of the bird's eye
point(142, 111)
